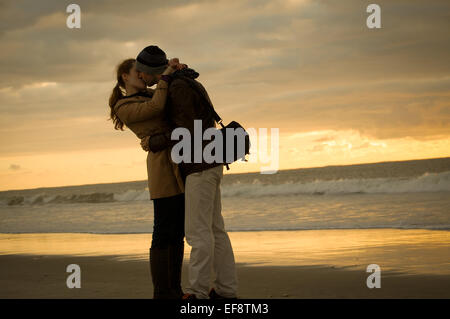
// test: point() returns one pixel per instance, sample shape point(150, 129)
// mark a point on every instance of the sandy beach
point(103, 277)
point(414, 264)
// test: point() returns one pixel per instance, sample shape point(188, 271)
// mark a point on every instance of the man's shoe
point(214, 295)
point(189, 297)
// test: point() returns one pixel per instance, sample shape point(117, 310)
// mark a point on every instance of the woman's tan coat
point(144, 116)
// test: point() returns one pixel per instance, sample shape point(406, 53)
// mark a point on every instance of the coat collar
point(132, 98)
point(142, 93)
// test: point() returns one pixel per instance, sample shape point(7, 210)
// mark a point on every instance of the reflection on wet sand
point(409, 251)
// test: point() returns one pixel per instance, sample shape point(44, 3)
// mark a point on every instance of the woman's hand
point(175, 64)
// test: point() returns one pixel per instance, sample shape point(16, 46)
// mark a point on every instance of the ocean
point(405, 194)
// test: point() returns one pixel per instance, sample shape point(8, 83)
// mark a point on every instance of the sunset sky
point(339, 92)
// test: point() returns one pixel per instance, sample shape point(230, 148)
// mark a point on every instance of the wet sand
point(106, 277)
point(414, 264)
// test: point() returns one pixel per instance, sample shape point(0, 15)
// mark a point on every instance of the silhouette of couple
point(186, 196)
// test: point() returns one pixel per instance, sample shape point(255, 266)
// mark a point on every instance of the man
point(204, 225)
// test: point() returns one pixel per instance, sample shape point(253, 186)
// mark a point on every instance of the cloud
point(313, 41)
point(298, 65)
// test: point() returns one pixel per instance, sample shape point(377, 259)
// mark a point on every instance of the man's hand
point(144, 143)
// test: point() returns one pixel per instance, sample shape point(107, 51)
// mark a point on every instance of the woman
point(141, 110)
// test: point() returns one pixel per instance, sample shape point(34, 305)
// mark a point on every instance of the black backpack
point(227, 158)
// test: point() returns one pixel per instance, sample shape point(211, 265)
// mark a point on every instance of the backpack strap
point(216, 116)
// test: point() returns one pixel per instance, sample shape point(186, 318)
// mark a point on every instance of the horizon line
point(250, 172)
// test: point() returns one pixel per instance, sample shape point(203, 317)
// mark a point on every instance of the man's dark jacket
point(183, 106)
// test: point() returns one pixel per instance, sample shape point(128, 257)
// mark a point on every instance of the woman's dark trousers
point(167, 249)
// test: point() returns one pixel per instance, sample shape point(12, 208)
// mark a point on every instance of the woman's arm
point(136, 112)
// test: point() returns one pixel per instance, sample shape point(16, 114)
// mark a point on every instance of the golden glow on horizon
point(299, 150)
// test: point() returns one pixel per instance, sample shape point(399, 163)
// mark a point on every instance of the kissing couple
point(186, 196)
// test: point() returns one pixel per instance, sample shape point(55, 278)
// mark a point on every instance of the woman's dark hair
point(117, 93)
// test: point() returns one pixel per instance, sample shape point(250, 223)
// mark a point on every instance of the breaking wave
point(428, 182)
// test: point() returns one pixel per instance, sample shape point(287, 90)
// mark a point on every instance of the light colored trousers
point(205, 233)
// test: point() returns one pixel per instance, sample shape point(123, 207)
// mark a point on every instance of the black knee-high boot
point(176, 254)
point(159, 260)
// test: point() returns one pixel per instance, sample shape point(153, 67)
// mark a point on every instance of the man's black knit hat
point(152, 60)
